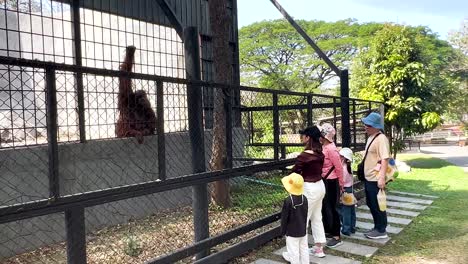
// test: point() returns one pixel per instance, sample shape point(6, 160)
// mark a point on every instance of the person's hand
point(381, 182)
point(139, 137)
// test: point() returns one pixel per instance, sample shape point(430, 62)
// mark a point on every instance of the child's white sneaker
point(317, 251)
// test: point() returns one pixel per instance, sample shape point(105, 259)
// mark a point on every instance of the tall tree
point(405, 67)
point(219, 21)
point(274, 55)
point(458, 105)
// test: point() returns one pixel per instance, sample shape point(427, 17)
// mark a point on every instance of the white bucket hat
point(347, 153)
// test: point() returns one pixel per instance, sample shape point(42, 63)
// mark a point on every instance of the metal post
point(276, 126)
point(51, 92)
point(160, 130)
point(345, 126)
point(196, 132)
point(334, 116)
point(229, 127)
point(354, 124)
point(76, 235)
point(78, 61)
point(283, 151)
point(310, 122)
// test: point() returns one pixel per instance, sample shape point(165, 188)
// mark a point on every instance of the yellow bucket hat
point(293, 183)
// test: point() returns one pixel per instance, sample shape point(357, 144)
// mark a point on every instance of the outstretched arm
point(125, 83)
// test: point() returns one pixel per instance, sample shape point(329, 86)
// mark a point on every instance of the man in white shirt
point(375, 167)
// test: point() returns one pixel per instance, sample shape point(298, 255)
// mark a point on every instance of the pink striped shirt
point(347, 177)
point(332, 158)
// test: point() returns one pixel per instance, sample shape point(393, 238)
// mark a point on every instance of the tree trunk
point(219, 21)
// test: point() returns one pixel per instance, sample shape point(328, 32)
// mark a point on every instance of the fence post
point(276, 126)
point(76, 236)
point(310, 122)
point(229, 126)
point(197, 136)
point(345, 126)
point(160, 130)
point(354, 124)
point(334, 116)
point(51, 92)
point(78, 61)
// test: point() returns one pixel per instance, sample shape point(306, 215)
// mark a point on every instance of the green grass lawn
point(440, 233)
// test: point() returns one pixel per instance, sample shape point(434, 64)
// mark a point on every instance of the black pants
point(380, 218)
point(330, 214)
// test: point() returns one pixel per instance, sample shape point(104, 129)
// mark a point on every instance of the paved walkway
point(453, 154)
point(402, 209)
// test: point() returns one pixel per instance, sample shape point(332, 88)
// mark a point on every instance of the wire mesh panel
point(36, 29)
point(22, 123)
point(105, 36)
point(34, 240)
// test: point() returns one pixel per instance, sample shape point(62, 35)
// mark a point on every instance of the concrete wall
point(93, 166)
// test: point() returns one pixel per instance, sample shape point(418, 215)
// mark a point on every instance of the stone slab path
point(402, 208)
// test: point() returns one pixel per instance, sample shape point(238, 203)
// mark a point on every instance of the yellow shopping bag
point(382, 200)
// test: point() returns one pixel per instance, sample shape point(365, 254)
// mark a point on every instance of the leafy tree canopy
point(407, 68)
point(274, 55)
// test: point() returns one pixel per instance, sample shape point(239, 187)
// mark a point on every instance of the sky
point(442, 16)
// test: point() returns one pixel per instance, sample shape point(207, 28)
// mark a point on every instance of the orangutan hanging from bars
point(136, 117)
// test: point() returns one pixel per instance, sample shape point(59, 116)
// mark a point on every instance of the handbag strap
point(368, 147)
point(329, 172)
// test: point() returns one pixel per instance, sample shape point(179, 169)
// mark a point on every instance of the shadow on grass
point(428, 163)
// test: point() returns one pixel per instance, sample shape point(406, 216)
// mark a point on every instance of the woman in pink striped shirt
point(332, 173)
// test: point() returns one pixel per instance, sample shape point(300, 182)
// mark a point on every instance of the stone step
point(393, 211)
point(390, 219)
point(411, 206)
point(329, 259)
point(368, 226)
point(266, 261)
point(356, 249)
point(408, 199)
point(360, 236)
point(415, 194)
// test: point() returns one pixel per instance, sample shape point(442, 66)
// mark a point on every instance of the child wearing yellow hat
point(294, 220)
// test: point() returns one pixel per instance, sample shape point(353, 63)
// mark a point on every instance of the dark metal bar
point(345, 126)
point(251, 159)
point(78, 62)
point(251, 127)
point(334, 116)
point(216, 240)
point(76, 235)
point(273, 144)
point(44, 207)
point(283, 151)
point(197, 136)
point(306, 37)
point(51, 92)
point(229, 126)
point(270, 108)
point(160, 130)
point(166, 8)
point(354, 124)
point(240, 248)
point(310, 108)
point(276, 126)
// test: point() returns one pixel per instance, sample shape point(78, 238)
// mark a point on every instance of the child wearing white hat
point(347, 210)
point(294, 220)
